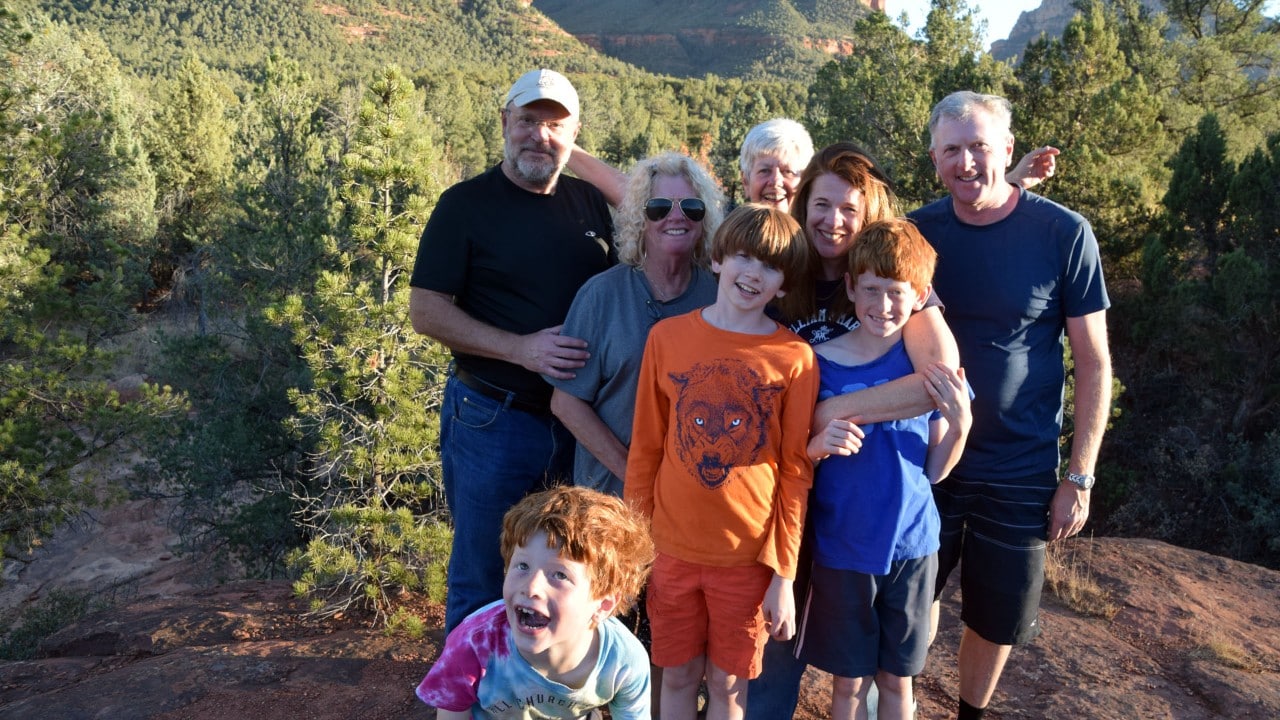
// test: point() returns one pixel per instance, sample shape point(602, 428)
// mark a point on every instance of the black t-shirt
point(514, 260)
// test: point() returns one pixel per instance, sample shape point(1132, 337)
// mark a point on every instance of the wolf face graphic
point(722, 418)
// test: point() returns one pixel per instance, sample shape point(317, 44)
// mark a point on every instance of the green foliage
point(1197, 194)
point(879, 97)
point(81, 183)
point(47, 616)
point(403, 621)
point(241, 230)
point(53, 418)
point(232, 463)
point(1252, 488)
point(375, 383)
point(71, 228)
point(1080, 94)
point(191, 152)
point(747, 111)
point(1203, 356)
point(336, 42)
point(1252, 196)
point(1228, 60)
point(953, 35)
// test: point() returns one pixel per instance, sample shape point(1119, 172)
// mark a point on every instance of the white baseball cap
point(543, 85)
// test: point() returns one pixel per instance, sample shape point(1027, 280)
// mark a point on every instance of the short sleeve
point(453, 682)
point(632, 694)
point(441, 263)
point(1085, 290)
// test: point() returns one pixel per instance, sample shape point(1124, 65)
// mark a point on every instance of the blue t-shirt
point(875, 507)
point(1009, 288)
point(481, 670)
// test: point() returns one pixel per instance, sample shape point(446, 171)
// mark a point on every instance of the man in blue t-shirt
point(1015, 271)
point(498, 265)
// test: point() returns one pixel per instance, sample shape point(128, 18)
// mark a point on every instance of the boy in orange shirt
point(718, 462)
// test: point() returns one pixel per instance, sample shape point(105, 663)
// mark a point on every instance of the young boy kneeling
point(874, 521)
point(551, 647)
point(718, 462)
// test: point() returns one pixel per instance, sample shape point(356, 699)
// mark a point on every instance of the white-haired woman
point(669, 210)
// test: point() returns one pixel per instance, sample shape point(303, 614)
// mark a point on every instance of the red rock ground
point(1193, 636)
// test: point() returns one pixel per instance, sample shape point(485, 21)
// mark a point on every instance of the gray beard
point(532, 171)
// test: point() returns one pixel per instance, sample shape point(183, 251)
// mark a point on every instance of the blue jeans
point(492, 456)
point(775, 693)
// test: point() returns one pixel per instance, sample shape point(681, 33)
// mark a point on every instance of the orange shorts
point(705, 610)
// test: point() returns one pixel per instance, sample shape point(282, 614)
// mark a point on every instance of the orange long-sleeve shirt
point(717, 458)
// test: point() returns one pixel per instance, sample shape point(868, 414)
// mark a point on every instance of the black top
point(514, 260)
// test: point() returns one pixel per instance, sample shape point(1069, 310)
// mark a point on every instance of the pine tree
point(374, 392)
point(1228, 57)
point(235, 463)
point(953, 35)
point(191, 153)
point(1079, 93)
point(878, 97)
point(747, 110)
point(1197, 195)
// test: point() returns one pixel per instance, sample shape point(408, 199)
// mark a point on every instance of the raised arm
point(546, 352)
point(1034, 168)
point(928, 341)
point(1092, 358)
point(610, 181)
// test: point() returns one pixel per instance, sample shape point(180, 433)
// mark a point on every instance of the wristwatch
point(1084, 482)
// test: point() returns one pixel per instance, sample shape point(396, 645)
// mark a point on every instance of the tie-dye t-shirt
point(481, 670)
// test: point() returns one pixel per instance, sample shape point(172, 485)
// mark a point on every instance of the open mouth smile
point(531, 620)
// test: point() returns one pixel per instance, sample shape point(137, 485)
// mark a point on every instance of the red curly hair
point(590, 527)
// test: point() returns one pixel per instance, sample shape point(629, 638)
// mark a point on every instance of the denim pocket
point(476, 411)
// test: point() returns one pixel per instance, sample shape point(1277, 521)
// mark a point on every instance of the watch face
point(1084, 481)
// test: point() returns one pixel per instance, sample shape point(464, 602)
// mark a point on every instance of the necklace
point(669, 293)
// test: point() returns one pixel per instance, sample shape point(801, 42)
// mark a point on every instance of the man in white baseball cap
point(498, 265)
point(539, 126)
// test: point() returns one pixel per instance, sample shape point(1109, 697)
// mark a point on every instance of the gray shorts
point(854, 624)
point(996, 531)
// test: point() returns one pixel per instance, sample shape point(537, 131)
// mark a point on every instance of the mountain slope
point(333, 38)
point(758, 38)
point(1050, 18)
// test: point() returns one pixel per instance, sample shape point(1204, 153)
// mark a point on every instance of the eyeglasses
point(528, 123)
point(657, 208)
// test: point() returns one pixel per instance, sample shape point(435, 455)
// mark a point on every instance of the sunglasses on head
point(657, 208)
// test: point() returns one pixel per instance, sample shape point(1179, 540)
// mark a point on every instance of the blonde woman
point(669, 210)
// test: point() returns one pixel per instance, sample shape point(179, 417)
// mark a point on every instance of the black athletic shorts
point(996, 531)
